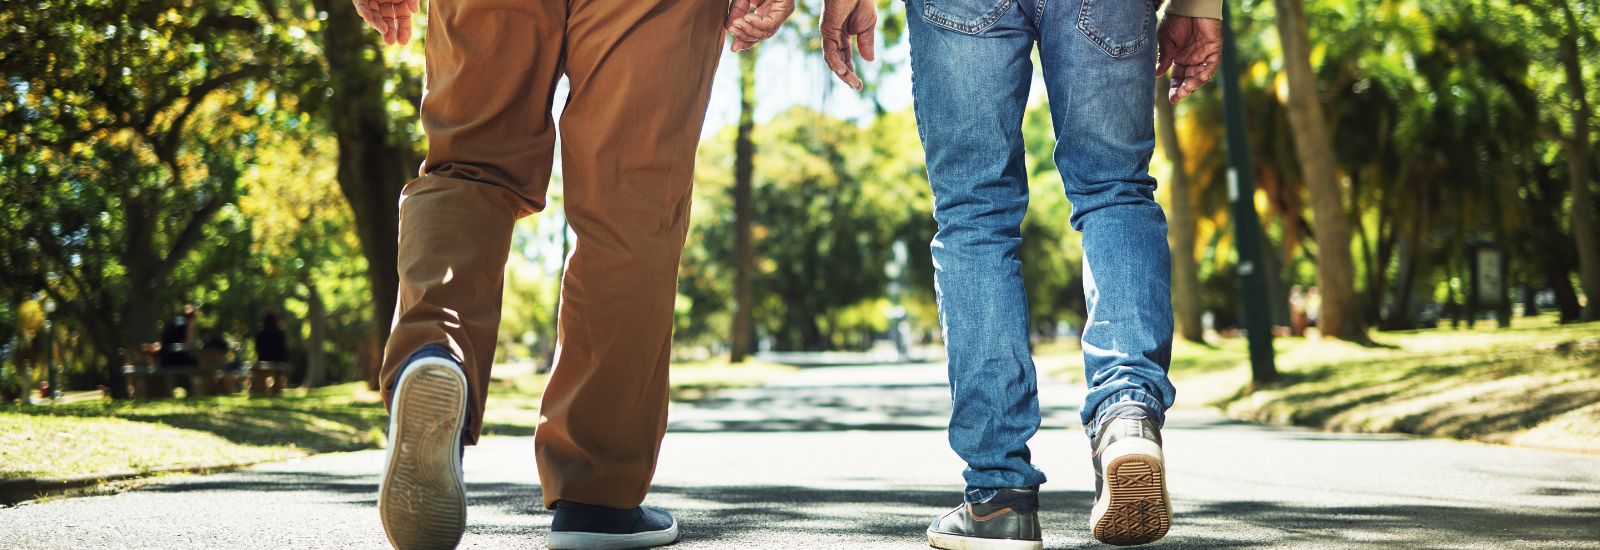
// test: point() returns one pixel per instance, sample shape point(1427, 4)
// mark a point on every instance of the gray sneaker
point(1007, 521)
point(1130, 502)
point(422, 498)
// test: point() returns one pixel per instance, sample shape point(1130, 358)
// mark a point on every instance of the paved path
point(852, 457)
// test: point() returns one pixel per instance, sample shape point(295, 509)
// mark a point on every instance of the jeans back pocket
point(964, 16)
point(1118, 27)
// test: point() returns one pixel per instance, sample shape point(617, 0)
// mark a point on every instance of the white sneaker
point(422, 498)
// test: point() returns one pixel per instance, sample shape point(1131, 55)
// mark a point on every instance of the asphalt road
point(853, 457)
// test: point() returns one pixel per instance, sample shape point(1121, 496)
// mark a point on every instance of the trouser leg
point(1098, 70)
point(492, 66)
point(970, 79)
point(641, 75)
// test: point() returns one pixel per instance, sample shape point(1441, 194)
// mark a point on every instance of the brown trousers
point(640, 74)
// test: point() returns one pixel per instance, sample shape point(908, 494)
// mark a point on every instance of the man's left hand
point(1191, 47)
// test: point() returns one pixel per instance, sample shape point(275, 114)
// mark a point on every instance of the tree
point(743, 328)
point(1185, 270)
point(1576, 145)
point(377, 151)
point(125, 129)
point(1335, 270)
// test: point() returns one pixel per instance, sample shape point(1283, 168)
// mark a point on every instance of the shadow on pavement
point(830, 408)
point(781, 515)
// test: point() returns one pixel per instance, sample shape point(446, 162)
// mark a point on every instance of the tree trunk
point(1186, 305)
point(1557, 275)
point(744, 212)
point(1335, 270)
point(316, 352)
point(1411, 258)
point(372, 166)
point(1583, 227)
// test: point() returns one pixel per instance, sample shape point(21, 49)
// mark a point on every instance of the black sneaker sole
point(422, 499)
point(1139, 511)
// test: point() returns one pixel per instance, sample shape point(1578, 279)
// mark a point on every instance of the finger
point(1175, 88)
point(368, 13)
point(1163, 57)
point(414, 6)
point(830, 55)
point(752, 27)
point(386, 11)
point(736, 11)
point(1190, 83)
point(761, 25)
point(847, 55)
point(747, 33)
point(404, 27)
point(866, 42)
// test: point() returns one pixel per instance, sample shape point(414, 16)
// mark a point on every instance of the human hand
point(843, 20)
point(392, 18)
point(1192, 48)
point(751, 21)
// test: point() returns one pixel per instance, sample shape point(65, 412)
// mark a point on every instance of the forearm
point(1209, 9)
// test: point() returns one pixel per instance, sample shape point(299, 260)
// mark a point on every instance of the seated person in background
point(272, 345)
point(214, 352)
point(176, 339)
point(272, 356)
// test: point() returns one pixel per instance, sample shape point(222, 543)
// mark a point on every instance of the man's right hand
point(392, 18)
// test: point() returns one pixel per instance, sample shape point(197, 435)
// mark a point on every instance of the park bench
point(148, 381)
point(212, 377)
point(268, 378)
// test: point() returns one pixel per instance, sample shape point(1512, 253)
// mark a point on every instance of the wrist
point(1209, 9)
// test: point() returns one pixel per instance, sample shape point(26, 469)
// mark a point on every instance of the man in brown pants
point(640, 76)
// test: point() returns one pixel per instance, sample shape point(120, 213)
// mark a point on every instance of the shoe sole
point(574, 540)
point(949, 541)
point(423, 499)
point(1136, 509)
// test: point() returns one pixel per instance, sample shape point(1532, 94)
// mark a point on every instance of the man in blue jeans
point(971, 70)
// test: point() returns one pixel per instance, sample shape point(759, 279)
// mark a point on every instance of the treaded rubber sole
point(575, 540)
point(1139, 511)
point(948, 541)
point(423, 499)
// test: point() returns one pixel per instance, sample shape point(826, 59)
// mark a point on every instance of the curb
point(22, 490)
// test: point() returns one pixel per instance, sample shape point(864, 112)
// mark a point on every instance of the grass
point(1535, 384)
point(108, 438)
point(121, 437)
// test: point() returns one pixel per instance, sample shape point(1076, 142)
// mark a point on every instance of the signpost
point(1246, 225)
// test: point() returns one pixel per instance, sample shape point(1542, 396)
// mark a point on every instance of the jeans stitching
point(929, 9)
point(1117, 51)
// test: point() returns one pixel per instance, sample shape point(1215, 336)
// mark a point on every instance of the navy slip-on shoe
point(577, 525)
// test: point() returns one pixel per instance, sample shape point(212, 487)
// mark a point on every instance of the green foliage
point(157, 152)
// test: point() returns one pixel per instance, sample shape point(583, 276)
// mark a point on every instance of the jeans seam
point(928, 14)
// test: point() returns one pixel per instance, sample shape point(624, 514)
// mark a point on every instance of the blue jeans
point(971, 70)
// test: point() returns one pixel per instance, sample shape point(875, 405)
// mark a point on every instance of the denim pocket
point(964, 16)
point(1118, 27)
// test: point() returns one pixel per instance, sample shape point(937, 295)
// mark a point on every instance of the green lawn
point(115, 437)
point(1535, 384)
point(103, 438)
